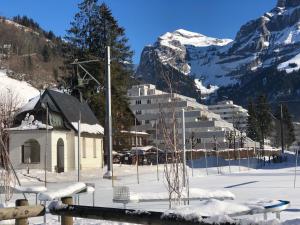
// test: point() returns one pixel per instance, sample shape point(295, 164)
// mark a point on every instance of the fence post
point(22, 202)
point(67, 220)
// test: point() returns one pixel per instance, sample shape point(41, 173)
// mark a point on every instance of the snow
point(30, 105)
point(256, 186)
point(287, 65)
point(30, 189)
point(134, 132)
point(190, 38)
point(20, 91)
point(204, 90)
point(195, 193)
point(208, 208)
point(88, 128)
point(143, 148)
point(30, 124)
point(63, 192)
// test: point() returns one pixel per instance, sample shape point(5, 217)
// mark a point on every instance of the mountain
point(30, 53)
point(269, 44)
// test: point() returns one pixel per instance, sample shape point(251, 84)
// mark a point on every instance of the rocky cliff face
point(271, 41)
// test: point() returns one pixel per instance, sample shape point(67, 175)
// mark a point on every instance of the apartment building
point(231, 113)
point(206, 127)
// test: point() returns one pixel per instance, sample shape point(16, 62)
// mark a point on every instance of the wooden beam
point(21, 212)
point(126, 215)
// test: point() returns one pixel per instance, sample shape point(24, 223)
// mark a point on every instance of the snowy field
point(271, 182)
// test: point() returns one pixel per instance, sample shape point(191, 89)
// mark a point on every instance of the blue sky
point(145, 20)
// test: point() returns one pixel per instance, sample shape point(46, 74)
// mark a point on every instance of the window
point(138, 112)
point(31, 152)
point(148, 101)
point(138, 102)
point(147, 121)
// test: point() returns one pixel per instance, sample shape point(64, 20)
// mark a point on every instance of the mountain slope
point(30, 53)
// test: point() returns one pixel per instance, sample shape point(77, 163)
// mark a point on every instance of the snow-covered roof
point(143, 148)
point(134, 132)
point(29, 105)
point(87, 128)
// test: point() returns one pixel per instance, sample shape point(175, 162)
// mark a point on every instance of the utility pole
point(183, 145)
point(281, 129)
point(47, 131)
point(136, 153)
point(108, 119)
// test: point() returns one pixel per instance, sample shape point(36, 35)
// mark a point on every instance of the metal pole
point(136, 154)
point(229, 160)
point(108, 119)
point(239, 160)
point(78, 152)
point(192, 157)
point(78, 148)
point(45, 155)
point(205, 157)
point(157, 171)
point(281, 129)
point(183, 145)
point(295, 177)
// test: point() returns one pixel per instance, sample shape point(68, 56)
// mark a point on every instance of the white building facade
point(202, 125)
point(231, 113)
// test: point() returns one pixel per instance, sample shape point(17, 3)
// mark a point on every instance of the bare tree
point(9, 103)
point(173, 168)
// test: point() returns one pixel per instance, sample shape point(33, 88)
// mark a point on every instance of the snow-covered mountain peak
point(184, 37)
point(288, 3)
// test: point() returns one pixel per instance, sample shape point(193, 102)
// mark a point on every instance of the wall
point(17, 139)
point(87, 157)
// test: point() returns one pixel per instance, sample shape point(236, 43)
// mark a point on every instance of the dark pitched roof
point(70, 107)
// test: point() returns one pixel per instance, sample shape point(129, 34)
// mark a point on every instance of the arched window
point(31, 152)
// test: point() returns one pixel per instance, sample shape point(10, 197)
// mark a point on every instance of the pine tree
point(92, 29)
point(264, 119)
point(287, 126)
point(252, 123)
point(46, 53)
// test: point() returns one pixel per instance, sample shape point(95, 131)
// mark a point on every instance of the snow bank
point(67, 191)
point(88, 128)
point(20, 91)
point(195, 193)
point(208, 208)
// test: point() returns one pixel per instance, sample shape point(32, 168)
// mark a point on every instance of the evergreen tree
point(287, 126)
point(264, 119)
point(252, 123)
point(46, 53)
point(92, 29)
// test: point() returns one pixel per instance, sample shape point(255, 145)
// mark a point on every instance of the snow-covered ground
point(18, 91)
point(271, 182)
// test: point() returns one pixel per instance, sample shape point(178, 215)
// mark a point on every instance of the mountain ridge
point(270, 41)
